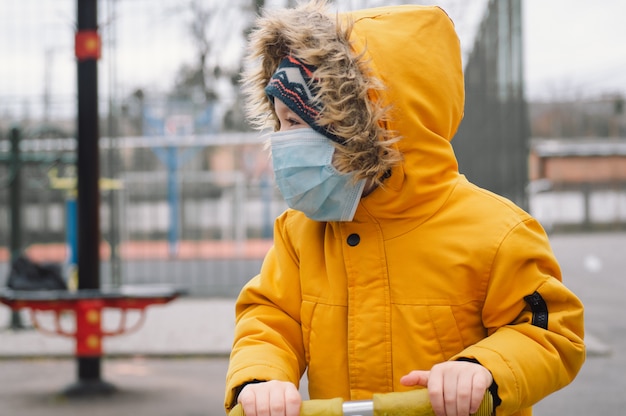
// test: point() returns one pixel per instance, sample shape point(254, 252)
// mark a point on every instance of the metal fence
point(180, 203)
point(165, 218)
point(493, 140)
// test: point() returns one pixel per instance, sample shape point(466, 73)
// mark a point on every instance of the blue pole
point(266, 196)
point(71, 231)
point(172, 198)
point(71, 239)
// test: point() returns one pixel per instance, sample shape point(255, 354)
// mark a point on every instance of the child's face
point(288, 119)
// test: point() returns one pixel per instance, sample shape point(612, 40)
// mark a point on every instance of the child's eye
point(293, 122)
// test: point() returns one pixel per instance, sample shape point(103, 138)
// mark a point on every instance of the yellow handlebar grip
point(417, 403)
point(236, 411)
point(408, 403)
point(320, 407)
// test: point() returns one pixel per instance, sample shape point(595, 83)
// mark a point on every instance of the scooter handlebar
point(409, 403)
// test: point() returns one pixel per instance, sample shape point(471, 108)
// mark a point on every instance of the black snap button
point(353, 240)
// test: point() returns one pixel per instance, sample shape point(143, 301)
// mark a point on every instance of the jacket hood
point(390, 82)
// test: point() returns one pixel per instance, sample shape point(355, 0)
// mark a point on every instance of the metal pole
point(15, 209)
point(88, 168)
point(15, 196)
point(88, 162)
point(173, 198)
point(114, 236)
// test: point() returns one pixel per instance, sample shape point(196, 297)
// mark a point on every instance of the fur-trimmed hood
point(390, 82)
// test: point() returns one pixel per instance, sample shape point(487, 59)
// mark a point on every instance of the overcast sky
point(573, 48)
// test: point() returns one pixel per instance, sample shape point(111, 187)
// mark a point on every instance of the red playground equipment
point(87, 306)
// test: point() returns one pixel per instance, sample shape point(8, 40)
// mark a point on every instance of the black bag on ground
point(28, 275)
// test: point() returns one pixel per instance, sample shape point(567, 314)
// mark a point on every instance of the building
point(578, 183)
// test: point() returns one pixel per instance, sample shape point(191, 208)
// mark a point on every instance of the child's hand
point(270, 398)
point(455, 388)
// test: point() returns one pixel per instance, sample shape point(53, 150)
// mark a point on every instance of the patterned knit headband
point(292, 84)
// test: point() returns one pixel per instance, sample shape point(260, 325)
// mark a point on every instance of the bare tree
point(198, 78)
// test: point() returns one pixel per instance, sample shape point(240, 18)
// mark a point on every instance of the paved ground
point(145, 387)
point(175, 364)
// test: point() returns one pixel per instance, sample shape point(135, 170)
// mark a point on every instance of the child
point(390, 271)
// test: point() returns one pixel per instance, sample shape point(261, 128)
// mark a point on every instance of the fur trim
point(345, 88)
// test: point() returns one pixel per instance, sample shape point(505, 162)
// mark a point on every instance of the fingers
point(415, 378)
point(271, 398)
point(457, 388)
point(293, 401)
point(480, 384)
point(436, 392)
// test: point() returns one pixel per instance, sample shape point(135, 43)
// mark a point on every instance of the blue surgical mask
point(308, 181)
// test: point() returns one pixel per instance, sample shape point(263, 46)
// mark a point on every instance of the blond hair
point(345, 89)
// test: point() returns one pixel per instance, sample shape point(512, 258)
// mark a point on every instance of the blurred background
point(187, 196)
point(186, 191)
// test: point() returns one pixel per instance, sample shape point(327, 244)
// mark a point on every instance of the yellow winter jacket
point(432, 268)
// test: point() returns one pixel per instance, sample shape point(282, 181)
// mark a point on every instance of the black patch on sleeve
point(539, 309)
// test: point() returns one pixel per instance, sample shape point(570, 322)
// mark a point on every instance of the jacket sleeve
point(535, 324)
point(268, 339)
